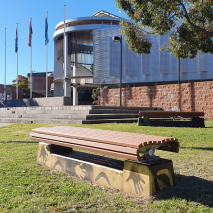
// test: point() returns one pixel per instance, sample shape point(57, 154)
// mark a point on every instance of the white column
point(58, 73)
point(67, 69)
point(47, 41)
point(58, 89)
point(75, 90)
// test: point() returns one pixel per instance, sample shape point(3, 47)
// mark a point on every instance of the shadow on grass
point(201, 148)
point(204, 148)
point(19, 142)
point(189, 188)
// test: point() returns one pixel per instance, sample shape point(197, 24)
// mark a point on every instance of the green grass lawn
point(26, 186)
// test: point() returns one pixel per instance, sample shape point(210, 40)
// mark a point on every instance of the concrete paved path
point(5, 124)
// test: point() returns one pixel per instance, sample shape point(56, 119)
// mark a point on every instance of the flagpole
point(17, 65)
point(5, 69)
point(47, 62)
point(64, 55)
point(31, 86)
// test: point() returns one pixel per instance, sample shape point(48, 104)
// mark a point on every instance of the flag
point(16, 41)
point(46, 32)
point(30, 34)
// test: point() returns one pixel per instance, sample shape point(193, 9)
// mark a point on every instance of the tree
point(189, 22)
point(22, 82)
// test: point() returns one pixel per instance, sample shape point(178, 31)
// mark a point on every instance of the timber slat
point(118, 144)
point(101, 151)
point(122, 149)
point(133, 140)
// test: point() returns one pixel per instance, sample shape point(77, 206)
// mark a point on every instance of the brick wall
point(196, 96)
point(39, 84)
point(13, 91)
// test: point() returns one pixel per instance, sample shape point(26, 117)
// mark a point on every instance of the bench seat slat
point(123, 149)
point(133, 140)
point(101, 151)
point(91, 137)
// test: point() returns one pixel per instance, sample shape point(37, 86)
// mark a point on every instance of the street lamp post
point(119, 39)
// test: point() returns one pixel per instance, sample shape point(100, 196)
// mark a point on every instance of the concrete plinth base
point(137, 178)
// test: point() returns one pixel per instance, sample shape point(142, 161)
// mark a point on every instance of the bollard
point(99, 100)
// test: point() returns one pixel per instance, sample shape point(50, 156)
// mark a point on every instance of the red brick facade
point(39, 84)
point(195, 96)
point(13, 91)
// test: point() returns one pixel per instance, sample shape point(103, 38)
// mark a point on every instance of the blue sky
point(20, 11)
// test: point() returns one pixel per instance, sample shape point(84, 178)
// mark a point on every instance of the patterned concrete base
point(137, 178)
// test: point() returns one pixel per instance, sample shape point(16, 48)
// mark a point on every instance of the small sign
point(9, 97)
point(2, 96)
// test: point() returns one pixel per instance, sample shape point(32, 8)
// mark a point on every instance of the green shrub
point(95, 94)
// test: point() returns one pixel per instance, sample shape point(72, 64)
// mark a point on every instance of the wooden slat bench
point(113, 143)
point(138, 175)
point(171, 118)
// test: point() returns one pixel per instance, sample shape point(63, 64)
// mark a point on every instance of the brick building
point(12, 91)
point(39, 82)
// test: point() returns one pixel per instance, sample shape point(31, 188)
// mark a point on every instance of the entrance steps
point(82, 114)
